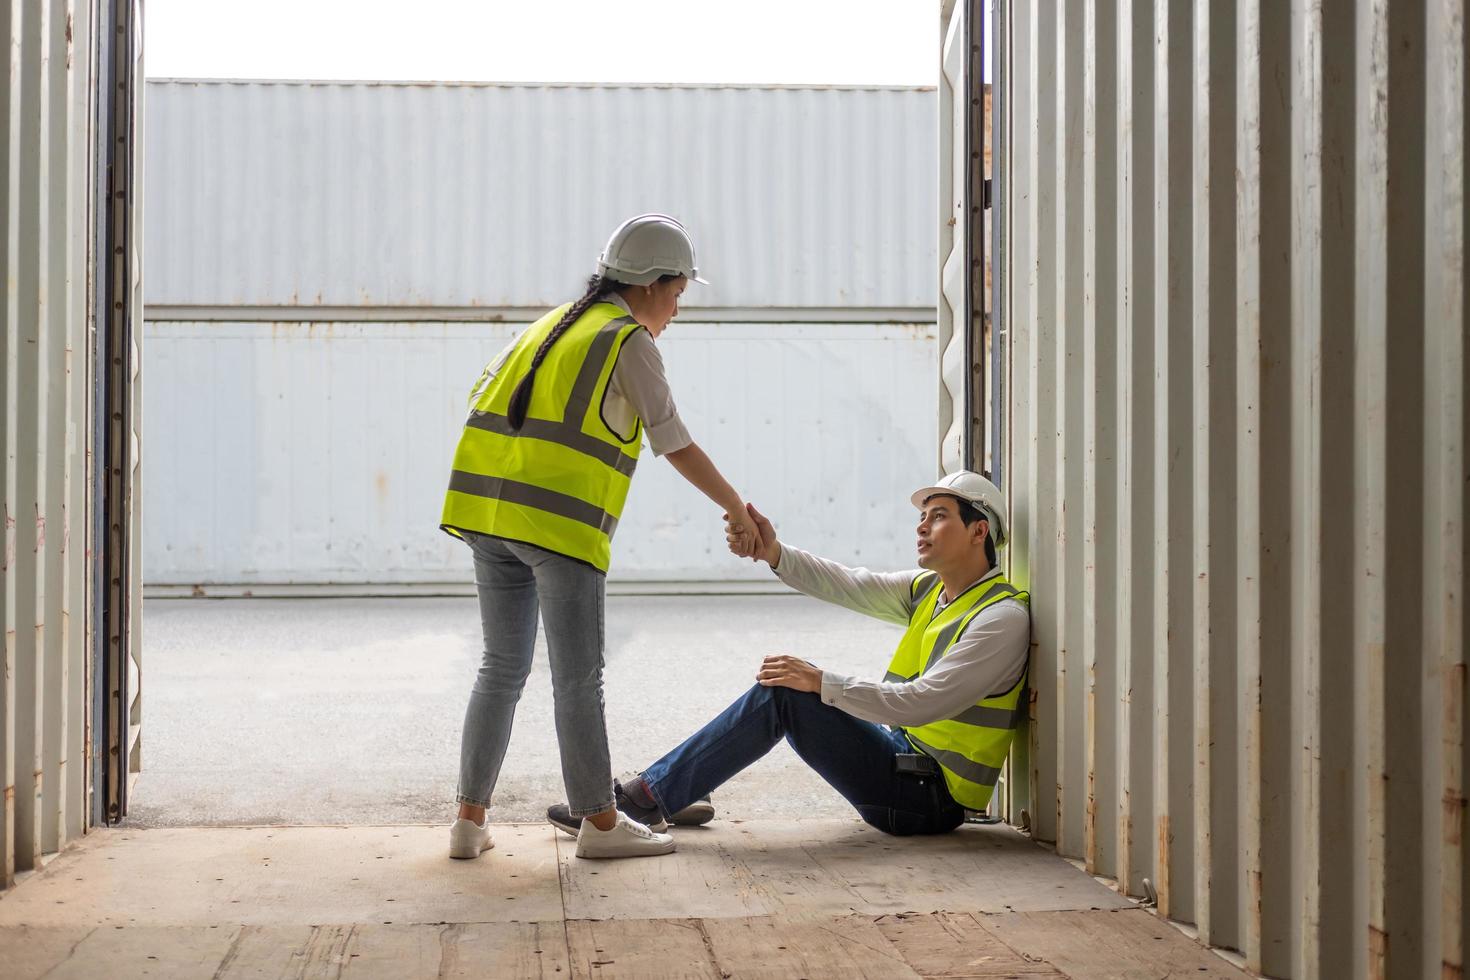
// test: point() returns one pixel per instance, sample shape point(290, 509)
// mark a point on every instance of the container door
point(964, 418)
point(117, 396)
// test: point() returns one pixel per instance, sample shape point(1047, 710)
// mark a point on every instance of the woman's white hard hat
point(977, 490)
point(646, 247)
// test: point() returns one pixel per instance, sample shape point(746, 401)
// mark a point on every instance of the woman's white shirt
point(638, 389)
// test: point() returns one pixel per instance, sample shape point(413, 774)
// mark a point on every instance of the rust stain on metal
point(1454, 816)
point(1163, 876)
point(9, 540)
point(40, 529)
point(1089, 831)
point(1377, 953)
point(1451, 971)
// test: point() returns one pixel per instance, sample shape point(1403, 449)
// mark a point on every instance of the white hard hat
point(646, 247)
point(978, 491)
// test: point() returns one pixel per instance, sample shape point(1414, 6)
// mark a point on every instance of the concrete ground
point(311, 711)
point(762, 898)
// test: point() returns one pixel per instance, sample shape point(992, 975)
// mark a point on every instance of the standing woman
point(540, 476)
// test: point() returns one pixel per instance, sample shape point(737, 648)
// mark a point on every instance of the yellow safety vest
point(561, 480)
point(972, 746)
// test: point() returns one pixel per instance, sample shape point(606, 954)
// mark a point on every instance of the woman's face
point(660, 303)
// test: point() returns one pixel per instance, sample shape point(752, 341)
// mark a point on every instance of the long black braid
point(520, 400)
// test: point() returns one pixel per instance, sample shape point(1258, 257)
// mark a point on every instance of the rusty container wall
point(1235, 297)
point(45, 99)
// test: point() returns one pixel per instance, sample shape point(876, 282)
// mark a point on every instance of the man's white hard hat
point(978, 491)
point(648, 246)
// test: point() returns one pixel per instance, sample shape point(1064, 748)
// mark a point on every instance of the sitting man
point(914, 751)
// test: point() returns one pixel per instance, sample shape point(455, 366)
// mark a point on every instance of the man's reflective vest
point(971, 747)
point(561, 480)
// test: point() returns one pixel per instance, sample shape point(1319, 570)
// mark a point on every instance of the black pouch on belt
point(915, 764)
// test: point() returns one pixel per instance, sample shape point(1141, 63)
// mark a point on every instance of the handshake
point(751, 536)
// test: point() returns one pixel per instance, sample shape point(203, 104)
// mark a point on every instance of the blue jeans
point(854, 756)
point(513, 580)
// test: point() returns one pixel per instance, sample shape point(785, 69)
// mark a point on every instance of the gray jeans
point(513, 580)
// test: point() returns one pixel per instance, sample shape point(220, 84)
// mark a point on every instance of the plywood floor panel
point(826, 898)
point(1108, 945)
point(624, 948)
point(956, 944)
point(777, 948)
point(285, 876)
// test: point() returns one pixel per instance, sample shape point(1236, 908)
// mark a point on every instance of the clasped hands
point(751, 536)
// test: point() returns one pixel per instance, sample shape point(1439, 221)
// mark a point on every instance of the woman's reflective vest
point(561, 480)
point(972, 746)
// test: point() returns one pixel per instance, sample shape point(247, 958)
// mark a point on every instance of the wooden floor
point(827, 898)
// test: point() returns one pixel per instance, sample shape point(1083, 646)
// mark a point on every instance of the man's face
point(943, 538)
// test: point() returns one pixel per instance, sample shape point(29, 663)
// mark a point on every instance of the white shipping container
point(317, 453)
point(475, 199)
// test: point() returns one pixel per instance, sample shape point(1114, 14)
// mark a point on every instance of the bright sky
point(824, 42)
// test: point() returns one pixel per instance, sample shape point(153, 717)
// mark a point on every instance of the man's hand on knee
point(792, 672)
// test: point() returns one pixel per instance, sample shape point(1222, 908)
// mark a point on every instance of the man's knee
point(796, 707)
point(788, 704)
point(780, 695)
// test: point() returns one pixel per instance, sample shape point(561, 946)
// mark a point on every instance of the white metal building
point(331, 265)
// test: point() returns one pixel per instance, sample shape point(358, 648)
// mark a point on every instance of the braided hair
point(520, 399)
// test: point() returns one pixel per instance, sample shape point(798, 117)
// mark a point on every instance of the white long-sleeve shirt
point(987, 658)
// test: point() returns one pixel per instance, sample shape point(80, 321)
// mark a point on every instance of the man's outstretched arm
point(882, 595)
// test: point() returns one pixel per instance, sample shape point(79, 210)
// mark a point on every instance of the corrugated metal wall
point(477, 198)
point(317, 453)
point(955, 236)
point(1236, 294)
point(968, 372)
point(44, 179)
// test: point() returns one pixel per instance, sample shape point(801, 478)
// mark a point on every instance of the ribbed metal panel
point(1235, 288)
point(470, 197)
point(317, 453)
point(953, 267)
point(44, 97)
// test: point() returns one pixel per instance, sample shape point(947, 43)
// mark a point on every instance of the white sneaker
point(628, 838)
point(467, 838)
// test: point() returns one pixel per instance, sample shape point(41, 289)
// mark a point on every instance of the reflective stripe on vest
point(972, 746)
point(560, 482)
